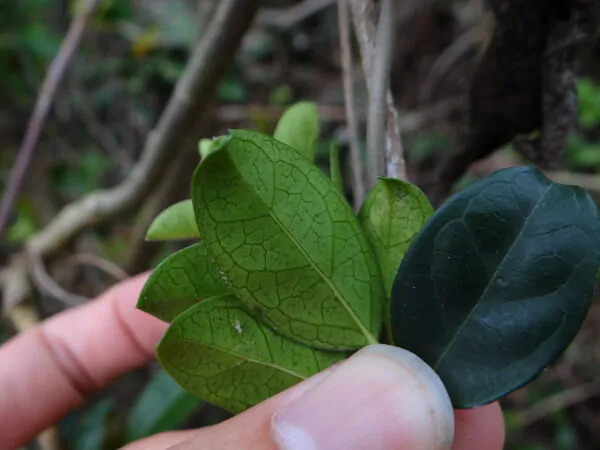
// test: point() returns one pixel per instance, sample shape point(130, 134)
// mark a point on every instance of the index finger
point(52, 368)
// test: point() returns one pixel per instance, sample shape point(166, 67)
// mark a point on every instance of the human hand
point(381, 398)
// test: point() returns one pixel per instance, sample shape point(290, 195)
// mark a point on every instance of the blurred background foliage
point(116, 89)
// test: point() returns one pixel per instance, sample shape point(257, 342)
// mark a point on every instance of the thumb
point(383, 397)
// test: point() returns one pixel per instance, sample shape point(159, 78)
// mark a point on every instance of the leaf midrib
point(242, 357)
point(366, 333)
point(492, 278)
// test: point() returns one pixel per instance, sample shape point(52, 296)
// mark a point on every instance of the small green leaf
point(335, 169)
point(498, 282)
point(391, 216)
point(219, 352)
point(179, 282)
point(298, 127)
point(175, 222)
point(207, 146)
point(163, 405)
point(288, 242)
point(204, 147)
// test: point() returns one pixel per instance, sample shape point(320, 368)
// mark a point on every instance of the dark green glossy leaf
point(288, 242)
point(298, 127)
point(163, 405)
point(175, 222)
point(498, 282)
point(225, 356)
point(180, 281)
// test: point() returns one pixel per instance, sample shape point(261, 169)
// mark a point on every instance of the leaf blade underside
point(391, 216)
point(179, 282)
point(288, 243)
point(222, 354)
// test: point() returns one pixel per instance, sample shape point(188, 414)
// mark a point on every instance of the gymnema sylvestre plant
point(286, 280)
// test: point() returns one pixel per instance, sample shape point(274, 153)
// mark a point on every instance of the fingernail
point(381, 398)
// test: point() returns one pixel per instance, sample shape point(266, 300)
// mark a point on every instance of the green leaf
point(335, 169)
point(221, 353)
point(298, 127)
point(179, 282)
point(204, 147)
point(288, 242)
point(163, 405)
point(175, 222)
point(498, 282)
point(207, 146)
point(92, 428)
point(391, 216)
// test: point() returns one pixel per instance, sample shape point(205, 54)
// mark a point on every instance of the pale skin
point(380, 398)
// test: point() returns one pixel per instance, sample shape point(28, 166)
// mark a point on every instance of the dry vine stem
point(379, 86)
point(366, 32)
point(358, 185)
point(557, 402)
point(410, 122)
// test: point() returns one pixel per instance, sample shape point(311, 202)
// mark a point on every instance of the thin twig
point(358, 186)
point(97, 130)
point(99, 263)
point(44, 101)
point(364, 24)
point(476, 37)
point(502, 159)
point(445, 61)
point(173, 186)
point(275, 17)
point(430, 115)
point(590, 182)
point(15, 285)
point(382, 62)
point(557, 402)
point(410, 122)
point(46, 284)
